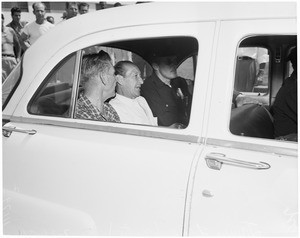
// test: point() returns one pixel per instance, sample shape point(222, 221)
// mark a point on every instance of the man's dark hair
point(15, 9)
point(117, 4)
point(121, 67)
point(68, 4)
point(83, 4)
point(2, 16)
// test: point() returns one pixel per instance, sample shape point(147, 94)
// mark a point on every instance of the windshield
point(10, 84)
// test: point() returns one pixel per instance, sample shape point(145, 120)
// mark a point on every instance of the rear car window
point(262, 66)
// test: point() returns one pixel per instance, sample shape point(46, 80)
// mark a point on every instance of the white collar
point(123, 98)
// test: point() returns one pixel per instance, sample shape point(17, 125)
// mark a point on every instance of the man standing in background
point(83, 8)
point(71, 10)
point(17, 25)
point(40, 26)
point(11, 50)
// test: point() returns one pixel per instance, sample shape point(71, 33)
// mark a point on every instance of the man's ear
point(103, 78)
point(155, 66)
point(120, 79)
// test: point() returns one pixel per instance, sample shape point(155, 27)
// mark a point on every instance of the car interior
point(54, 97)
point(252, 98)
point(254, 91)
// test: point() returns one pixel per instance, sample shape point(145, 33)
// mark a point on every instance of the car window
point(187, 70)
point(162, 105)
point(10, 84)
point(169, 107)
point(258, 70)
point(53, 98)
point(252, 70)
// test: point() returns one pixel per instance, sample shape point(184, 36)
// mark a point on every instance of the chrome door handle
point(216, 160)
point(7, 130)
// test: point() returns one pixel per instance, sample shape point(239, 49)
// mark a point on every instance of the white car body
point(76, 177)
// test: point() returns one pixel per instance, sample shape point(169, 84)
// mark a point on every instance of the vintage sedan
point(223, 174)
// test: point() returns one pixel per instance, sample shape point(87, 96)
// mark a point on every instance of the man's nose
point(141, 81)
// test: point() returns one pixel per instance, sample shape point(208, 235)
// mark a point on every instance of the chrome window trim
point(254, 147)
point(76, 81)
point(109, 127)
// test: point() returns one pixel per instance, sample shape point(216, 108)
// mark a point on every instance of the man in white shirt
point(40, 26)
point(130, 106)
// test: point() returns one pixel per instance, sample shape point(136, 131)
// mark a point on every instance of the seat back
point(245, 74)
point(253, 120)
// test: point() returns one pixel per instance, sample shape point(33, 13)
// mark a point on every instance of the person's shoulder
point(10, 30)
point(9, 25)
point(108, 106)
point(110, 109)
point(24, 23)
point(149, 80)
point(141, 99)
point(291, 81)
point(113, 101)
point(30, 24)
point(182, 80)
point(117, 101)
point(150, 85)
point(48, 24)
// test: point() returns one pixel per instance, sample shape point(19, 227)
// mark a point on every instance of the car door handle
point(216, 160)
point(7, 130)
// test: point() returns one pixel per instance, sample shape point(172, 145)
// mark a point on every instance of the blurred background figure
point(50, 19)
point(117, 4)
point(83, 8)
point(71, 10)
point(102, 5)
point(17, 25)
point(11, 50)
point(32, 31)
point(64, 15)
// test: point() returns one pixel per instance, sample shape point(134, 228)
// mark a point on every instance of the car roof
point(145, 14)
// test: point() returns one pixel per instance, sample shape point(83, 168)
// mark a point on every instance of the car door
point(243, 185)
point(80, 177)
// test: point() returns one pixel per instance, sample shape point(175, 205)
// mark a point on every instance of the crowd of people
point(18, 35)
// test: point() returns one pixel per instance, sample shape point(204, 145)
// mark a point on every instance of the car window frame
point(19, 71)
point(269, 93)
point(193, 56)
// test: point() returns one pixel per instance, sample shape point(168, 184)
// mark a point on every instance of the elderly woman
point(98, 80)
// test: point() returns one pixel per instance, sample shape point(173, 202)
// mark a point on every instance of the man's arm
point(25, 37)
point(17, 46)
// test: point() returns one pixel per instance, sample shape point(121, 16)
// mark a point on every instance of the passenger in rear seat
point(285, 106)
point(167, 94)
point(129, 104)
point(99, 84)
